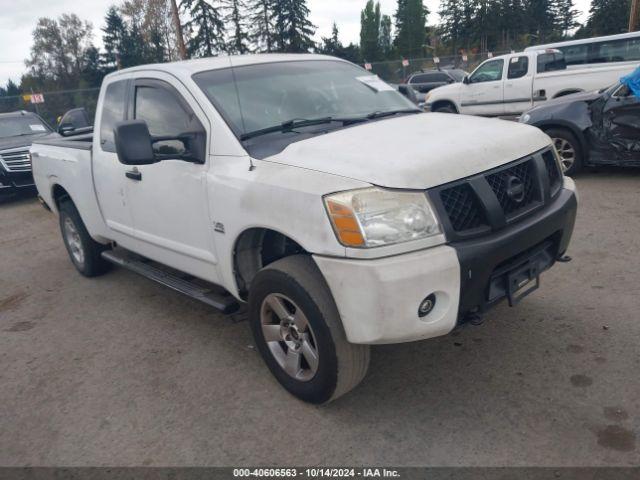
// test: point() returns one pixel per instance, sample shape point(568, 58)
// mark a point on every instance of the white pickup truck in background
point(308, 189)
point(510, 84)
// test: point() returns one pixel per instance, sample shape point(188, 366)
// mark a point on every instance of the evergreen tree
point(293, 29)
point(385, 40)
point(206, 27)
point(370, 32)
point(411, 19)
point(134, 48)
point(331, 45)
point(451, 22)
point(542, 20)
point(114, 33)
point(92, 71)
point(566, 16)
point(262, 30)
point(606, 17)
point(239, 40)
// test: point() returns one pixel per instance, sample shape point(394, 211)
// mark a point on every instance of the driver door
point(168, 199)
point(483, 94)
point(621, 119)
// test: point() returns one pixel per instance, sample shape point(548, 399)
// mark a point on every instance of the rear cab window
point(113, 109)
point(518, 67)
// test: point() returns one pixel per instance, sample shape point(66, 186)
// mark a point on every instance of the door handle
point(134, 175)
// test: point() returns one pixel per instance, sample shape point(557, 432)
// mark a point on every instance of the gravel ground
point(120, 371)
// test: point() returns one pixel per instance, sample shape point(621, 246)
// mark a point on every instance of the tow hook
point(564, 259)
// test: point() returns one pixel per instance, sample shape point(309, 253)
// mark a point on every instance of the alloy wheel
point(73, 241)
point(566, 151)
point(289, 336)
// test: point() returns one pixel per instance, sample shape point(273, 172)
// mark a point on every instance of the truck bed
point(63, 166)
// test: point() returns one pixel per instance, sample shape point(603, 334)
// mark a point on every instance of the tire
point(296, 284)
point(83, 250)
point(445, 108)
point(568, 148)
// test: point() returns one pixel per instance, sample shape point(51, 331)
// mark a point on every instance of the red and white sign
point(37, 98)
point(405, 62)
point(368, 66)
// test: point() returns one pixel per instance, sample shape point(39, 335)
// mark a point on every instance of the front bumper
point(378, 299)
point(15, 182)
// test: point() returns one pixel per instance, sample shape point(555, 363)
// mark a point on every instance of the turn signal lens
point(344, 223)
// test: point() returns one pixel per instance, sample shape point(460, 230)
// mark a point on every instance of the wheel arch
point(59, 194)
point(441, 103)
point(579, 134)
point(256, 247)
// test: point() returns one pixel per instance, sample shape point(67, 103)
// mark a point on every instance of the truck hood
point(415, 151)
point(19, 141)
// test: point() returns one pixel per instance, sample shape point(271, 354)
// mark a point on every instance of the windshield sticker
point(37, 128)
point(374, 82)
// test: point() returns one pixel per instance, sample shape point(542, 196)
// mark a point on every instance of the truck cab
point(299, 188)
point(510, 84)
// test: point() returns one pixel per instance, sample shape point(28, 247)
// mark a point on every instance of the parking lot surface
point(118, 370)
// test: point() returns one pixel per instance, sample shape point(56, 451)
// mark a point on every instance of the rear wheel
point(568, 149)
point(84, 251)
point(298, 331)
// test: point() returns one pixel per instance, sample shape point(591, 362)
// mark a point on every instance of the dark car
point(426, 80)
point(589, 129)
point(17, 131)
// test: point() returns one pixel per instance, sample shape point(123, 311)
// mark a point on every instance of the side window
point(438, 77)
point(490, 71)
point(550, 62)
point(112, 112)
point(166, 116)
point(518, 67)
point(422, 78)
point(576, 54)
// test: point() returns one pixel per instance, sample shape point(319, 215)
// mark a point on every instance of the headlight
point(525, 118)
point(373, 217)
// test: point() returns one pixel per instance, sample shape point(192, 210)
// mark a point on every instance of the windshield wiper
point(389, 113)
point(289, 125)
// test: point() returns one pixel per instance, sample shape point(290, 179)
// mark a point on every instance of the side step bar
point(225, 303)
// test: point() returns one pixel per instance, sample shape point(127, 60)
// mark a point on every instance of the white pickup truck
point(511, 84)
point(306, 188)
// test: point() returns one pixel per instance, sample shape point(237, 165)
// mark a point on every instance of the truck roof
point(189, 67)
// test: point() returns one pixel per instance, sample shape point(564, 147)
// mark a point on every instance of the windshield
point(21, 125)
point(270, 94)
point(458, 75)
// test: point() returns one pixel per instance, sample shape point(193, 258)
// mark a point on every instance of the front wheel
point(84, 251)
point(298, 331)
point(445, 108)
point(568, 149)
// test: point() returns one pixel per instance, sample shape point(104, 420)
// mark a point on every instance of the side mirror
point(465, 80)
point(74, 121)
point(133, 142)
point(66, 128)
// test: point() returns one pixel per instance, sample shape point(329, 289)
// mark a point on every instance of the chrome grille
point(16, 160)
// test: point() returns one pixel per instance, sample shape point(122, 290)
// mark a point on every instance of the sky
point(19, 19)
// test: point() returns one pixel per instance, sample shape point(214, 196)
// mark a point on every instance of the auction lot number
point(317, 472)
